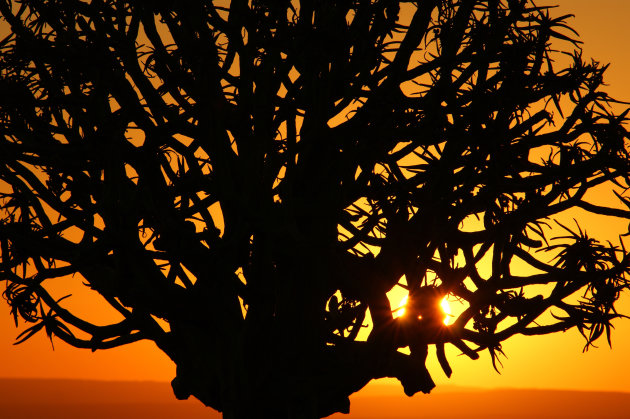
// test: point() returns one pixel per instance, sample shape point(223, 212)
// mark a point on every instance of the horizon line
point(389, 386)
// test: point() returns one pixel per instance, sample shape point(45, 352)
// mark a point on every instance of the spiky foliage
point(259, 174)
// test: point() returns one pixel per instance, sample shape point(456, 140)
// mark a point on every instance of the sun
point(446, 308)
point(401, 307)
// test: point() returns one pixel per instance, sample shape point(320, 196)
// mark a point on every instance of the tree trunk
point(272, 366)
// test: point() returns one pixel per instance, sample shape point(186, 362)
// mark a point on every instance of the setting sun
point(446, 308)
point(401, 307)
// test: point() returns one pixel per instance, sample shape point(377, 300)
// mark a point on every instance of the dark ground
point(70, 399)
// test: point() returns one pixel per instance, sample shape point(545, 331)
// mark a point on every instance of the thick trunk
point(281, 382)
point(277, 363)
point(291, 399)
point(272, 366)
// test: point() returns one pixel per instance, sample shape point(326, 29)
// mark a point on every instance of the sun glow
point(401, 307)
point(446, 308)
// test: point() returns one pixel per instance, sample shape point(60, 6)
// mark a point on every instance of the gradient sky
point(533, 362)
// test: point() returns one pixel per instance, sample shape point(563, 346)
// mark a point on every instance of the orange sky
point(533, 362)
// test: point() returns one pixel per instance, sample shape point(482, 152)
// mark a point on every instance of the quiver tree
point(245, 181)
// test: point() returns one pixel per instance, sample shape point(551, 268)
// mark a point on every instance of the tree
point(245, 181)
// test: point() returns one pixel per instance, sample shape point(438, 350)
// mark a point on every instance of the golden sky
point(533, 362)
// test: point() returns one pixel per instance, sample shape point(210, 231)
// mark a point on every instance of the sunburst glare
point(444, 304)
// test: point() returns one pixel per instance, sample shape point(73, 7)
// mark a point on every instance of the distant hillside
point(493, 404)
point(73, 399)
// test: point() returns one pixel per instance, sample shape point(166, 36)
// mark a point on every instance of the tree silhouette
point(245, 181)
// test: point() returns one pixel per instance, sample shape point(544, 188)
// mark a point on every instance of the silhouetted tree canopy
point(244, 182)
